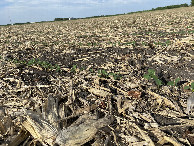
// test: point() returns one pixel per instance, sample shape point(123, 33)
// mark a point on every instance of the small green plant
point(116, 76)
point(31, 62)
point(91, 70)
point(57, 67)
point(168, 42)
point(15, 61)
point(82, 68)
point(152, 75)
point(44, 64)
point(173, 83)
point(102, 73)
point(73, 69)
point(191, 87)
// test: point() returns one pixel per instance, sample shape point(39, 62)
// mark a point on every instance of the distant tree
point(61, 19)
point(58, 19)
point(192, 2)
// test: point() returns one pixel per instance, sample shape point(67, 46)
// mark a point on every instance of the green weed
point(91, 70)
point(191, 87)
point(116, 76)
point(57, 67)
point(151, 75)
point(31, 62)
point(103, 73)
point(44, 64)
point(82, 68)
point(173, 83)
point(73, 69)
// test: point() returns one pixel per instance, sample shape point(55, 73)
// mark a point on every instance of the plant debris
point(82, 82)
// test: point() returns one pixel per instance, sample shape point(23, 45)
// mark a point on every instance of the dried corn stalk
point(80, 132)
point(83, 130)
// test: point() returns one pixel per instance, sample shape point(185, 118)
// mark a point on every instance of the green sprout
point(191, 87)
point(15, 61)
point(151, 75)
point(57, 67)
point(91, 70)
point(46, 65)
point(173, 83)
point(82, 68)
point(38, 62)
point(116, 76)
point(22, 62)
point(102, 73)
point(73, 69)
point(31, 62)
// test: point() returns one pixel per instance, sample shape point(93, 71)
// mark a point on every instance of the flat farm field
point(120, 80)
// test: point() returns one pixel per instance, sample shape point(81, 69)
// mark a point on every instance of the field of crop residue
point(104, 81)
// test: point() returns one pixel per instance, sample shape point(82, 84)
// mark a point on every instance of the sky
point(21, 11)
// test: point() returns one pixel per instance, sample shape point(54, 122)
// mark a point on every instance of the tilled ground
point(85, 86)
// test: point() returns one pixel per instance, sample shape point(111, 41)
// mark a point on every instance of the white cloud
point(10, 1)
point(32, 3)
